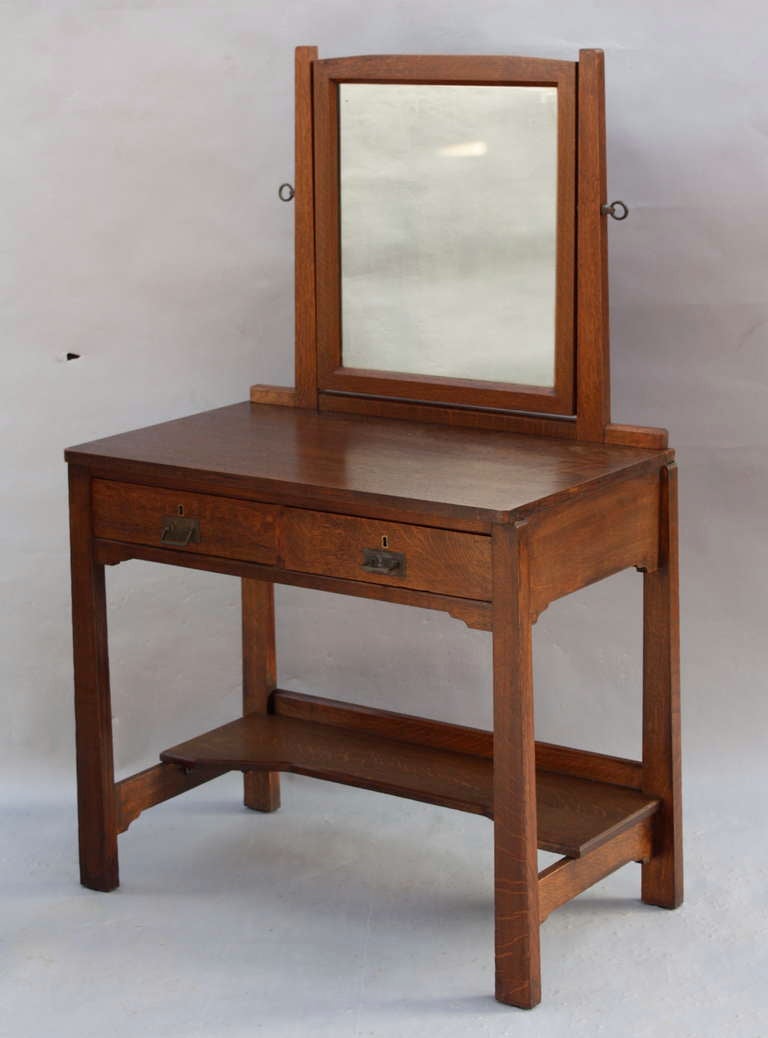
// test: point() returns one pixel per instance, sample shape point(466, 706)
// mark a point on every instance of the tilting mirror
point(445, 232)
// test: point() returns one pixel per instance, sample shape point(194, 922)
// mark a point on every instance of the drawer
point(145, 515)
point(432, 560)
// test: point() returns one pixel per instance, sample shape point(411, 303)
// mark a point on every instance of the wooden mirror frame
point(333, 376)
point(590, 413)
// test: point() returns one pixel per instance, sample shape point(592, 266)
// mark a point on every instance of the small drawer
point(381, 552)
point(186, 522)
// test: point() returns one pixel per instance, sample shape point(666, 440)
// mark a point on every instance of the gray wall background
point(142, 147)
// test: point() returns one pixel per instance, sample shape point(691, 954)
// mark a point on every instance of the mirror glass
point(448, 230)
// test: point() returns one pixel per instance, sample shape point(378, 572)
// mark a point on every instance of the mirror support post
point(593, 389)
point(304, 234)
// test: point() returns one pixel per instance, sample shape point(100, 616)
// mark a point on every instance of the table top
point(466, 478)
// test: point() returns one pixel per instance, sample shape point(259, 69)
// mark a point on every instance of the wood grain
point(261, 790)
point(587, 540)
point(599, 767)
point(574, 815)
point(567, 878)
point(281, 396)
point(562, 428)
point(473, 614)
point(425, 731)
point(565, 275)
point(593, 390)
point(443, 389)
point(305, 285)
point(153, 786)
point(338, 755)
point(662, 773)
point(518, 967)
point(97, 821)
point(637, 436)
point(448, 563)
point(422, 731)
point(462, 479)
point(585, 814)
point(445, 68)
point(230, 529)
point(332, 375)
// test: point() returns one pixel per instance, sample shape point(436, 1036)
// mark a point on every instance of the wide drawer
point(423, 558)
point(186, 522)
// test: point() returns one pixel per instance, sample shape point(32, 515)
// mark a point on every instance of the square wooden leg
point(93, 713)
point(662, 881)
point(518, 980)
point(261, 789)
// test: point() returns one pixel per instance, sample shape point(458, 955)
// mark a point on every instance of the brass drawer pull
point(180, 531)
point(384, 563)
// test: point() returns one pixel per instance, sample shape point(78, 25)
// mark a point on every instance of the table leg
point(93, 712)
point(261, 788)
point(662, 880)
point(518, 980)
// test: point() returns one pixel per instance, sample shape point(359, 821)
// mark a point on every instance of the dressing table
point(448, 444)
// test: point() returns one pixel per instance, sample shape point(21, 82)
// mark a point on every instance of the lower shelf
point(575, 816)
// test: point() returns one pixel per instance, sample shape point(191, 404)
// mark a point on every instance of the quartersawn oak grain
point(305, 273)
point(662, 882)
point(153, 786)
point(261, 791)
point(593, 389)
point(443, 561)
point(435, 475)
point(567, 878)
point(96, 806)
point(283, 396)
point(228, 529)
point(578, 543)
point(617, 771)
point(473, 613)
point(575, 816)
point(516, 788)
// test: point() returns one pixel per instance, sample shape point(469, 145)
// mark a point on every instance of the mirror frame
point(591, 422)
point(333, 377)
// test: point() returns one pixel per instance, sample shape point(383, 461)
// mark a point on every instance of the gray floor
point(349, 913)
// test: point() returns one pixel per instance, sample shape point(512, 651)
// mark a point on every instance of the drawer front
point(185, 522)
point(424, 558)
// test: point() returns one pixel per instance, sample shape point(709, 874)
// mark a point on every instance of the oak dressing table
point(448, 445)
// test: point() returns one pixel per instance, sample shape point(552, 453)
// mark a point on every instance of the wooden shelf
point(575, 816)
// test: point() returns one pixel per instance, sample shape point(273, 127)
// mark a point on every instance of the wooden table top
point(361, 465)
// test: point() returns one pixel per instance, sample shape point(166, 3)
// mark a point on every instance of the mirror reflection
point(448, 230)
